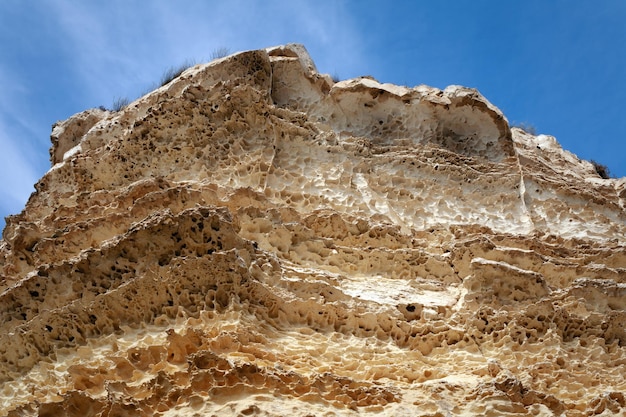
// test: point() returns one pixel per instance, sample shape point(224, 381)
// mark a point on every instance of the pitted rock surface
point(255, 239)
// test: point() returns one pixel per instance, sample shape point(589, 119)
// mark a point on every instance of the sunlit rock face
point(255, 239)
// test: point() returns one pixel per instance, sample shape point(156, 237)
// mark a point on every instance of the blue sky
point(558, 65)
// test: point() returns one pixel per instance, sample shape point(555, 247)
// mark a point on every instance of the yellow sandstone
point(255, 239)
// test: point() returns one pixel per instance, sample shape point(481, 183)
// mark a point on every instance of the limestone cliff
point(255, 239)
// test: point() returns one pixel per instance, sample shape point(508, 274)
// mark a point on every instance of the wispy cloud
point(19, 171)
point(125, 45)
point(103, 47)
point(21, 162)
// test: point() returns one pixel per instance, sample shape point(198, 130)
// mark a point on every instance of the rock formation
point(253, 238)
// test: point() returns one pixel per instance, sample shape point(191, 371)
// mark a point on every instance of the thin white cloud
point(14, 101)
point(99, 46)
point(241, 25)
point(19, 162)
point(115, 48)
point(18, 171)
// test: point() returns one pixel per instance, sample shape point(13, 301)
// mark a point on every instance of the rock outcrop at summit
point(254, 238)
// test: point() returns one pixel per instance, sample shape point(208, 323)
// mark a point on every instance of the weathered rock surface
point(255, 239)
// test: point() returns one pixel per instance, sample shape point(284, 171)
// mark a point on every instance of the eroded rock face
point(255, 239)
point(66, 135)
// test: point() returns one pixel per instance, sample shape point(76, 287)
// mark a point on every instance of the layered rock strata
point(255, 239)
